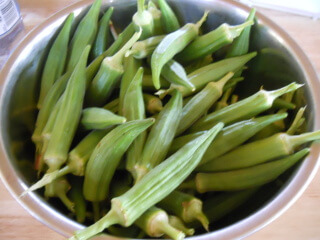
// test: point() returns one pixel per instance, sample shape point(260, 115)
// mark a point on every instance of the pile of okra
point(142, 128)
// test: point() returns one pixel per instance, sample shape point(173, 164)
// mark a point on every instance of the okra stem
point(169, 20)
point(178, 224)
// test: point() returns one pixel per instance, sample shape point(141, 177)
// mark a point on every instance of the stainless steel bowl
point(280, 60)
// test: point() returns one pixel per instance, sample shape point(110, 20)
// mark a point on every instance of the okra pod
point(160, 136)
point(76, 195)
point(179, 142)
point(103, 35)
point(153, 187)
point(85, 34)
point(148, 85)
point(278, 145)
point(98, 118)
point(214, 72)
point(131, 66)
point(153, 104)
point(247, 177)
point(246, 108)
point(172, 44)
point(212, 41)
point(199, 63)
point(106, 157)
point(143, 49)
point(169, 20)
point(179, 224)
point(68, 116)
point(201, 103)
point(133, 109)
point(185, 206)
point(143, 19)
point(174, 72)
point(56, 60)
point(216, 207)
point(110, 72)
point(156, 16)
point(155, 222)
point(280, 103)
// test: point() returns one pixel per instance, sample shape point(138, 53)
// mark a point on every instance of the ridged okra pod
point(236, 134)
point(110, 72)
point(152, 103)
point(212, 41)
point(278, 145)
point(174, 72)
point(103, 35)
point(76, 195)
point(153, 187)
point(213, 72)
point(160, 137)
point(155, 223)
point(84, 35)
point(179, 224)
point(156, 16)
point(68, 116)
point(218, 206)
point(131, 66)
point(143, 49)
point(143, 19)
point(179, 142)
point(133, 109)
point(56, 60)
point(246, 108)
point(169, 20)
point(185, 206)
point(172, 44)
point(148, 85)
point(199, 63)
point(106, 157)
point(247, 177)
point(201, 102)
point(98, 118)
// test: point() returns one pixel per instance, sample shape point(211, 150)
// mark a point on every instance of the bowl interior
point(275, 66)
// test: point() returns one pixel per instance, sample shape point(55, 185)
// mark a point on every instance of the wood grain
point(301, 221)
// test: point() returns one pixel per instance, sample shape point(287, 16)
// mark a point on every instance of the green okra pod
point(59, 188)
point(216, 207)
point(131, 66)
point(103, 35)
point(280, 103)
point(236, 134)
point(212, 41)
point(201, 102)
point(109, 74)
point(68, 116)
point(85, 34)
point(143, 19)
point(179, 142)
point(153, 103)
point(172, 44)
point(153, 187)
point(199, 63)
point(174, 72)
point(148, 85)
point(133, 109)
point(113, 106)
point(214, 72)
point(185, 206)
point(278, 145)
point(297, 122)
point(169, 20)
point(98, 118)
point(160, 137)
point(56, 60)
point(144, 48)
point(179, 224)
point(76, 195)
point(247, 177)
point(156, 16)
point(246, 108)
point(106, 157)
point(155, 223)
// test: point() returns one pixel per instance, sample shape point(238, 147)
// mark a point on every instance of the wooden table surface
point(301, 221)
